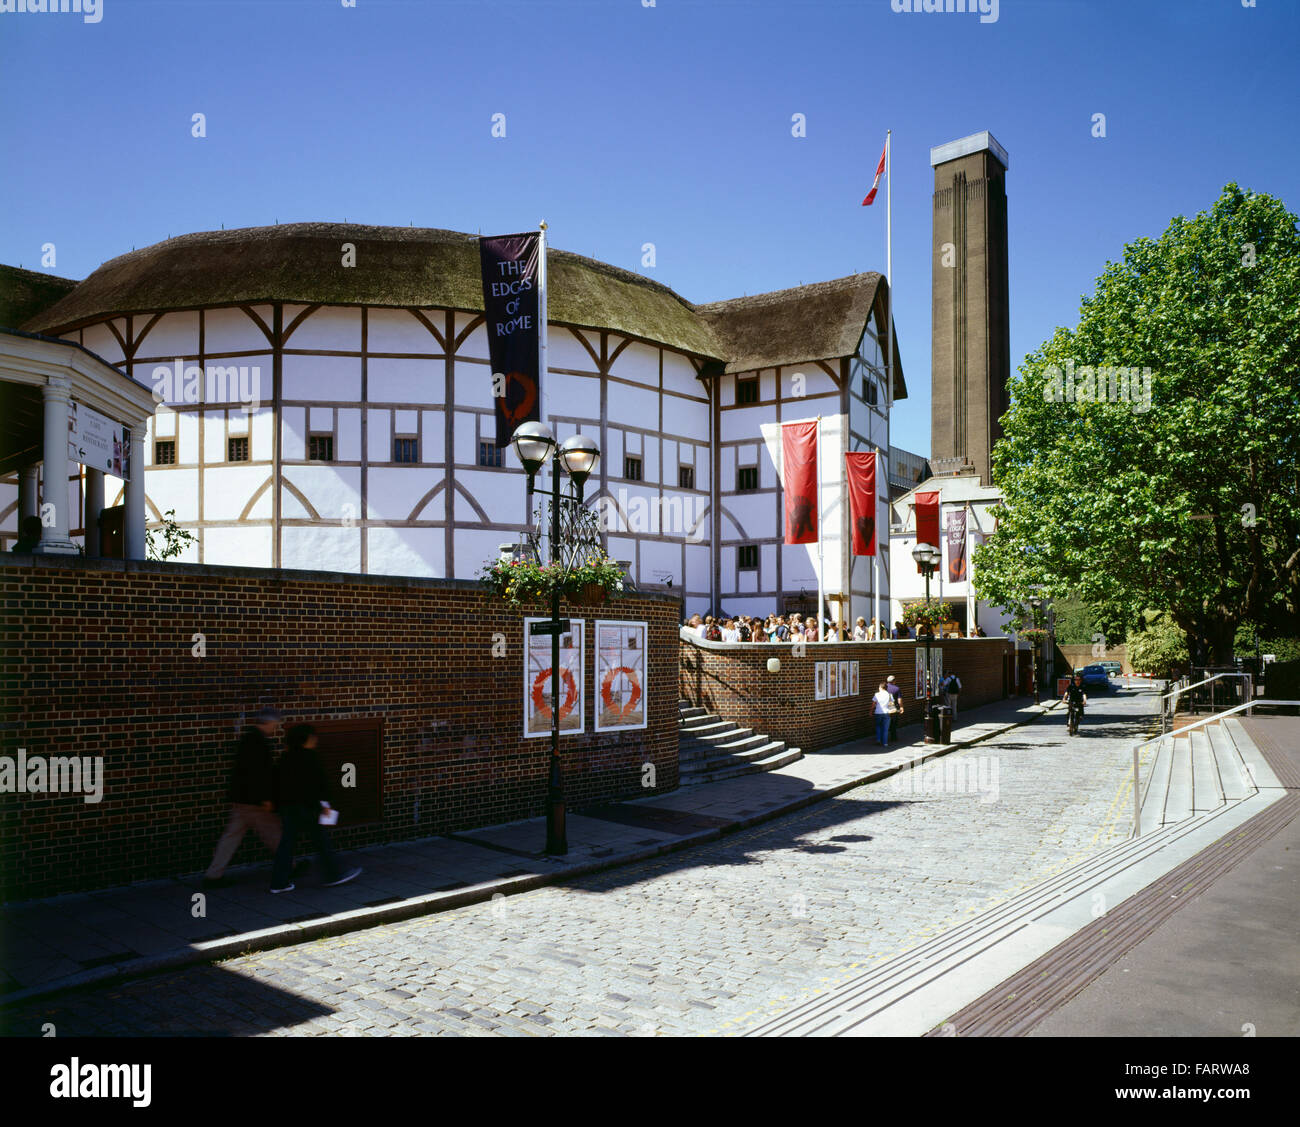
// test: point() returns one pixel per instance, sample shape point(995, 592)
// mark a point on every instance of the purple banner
point(510, 308)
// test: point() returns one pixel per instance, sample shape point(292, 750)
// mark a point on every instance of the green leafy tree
point(1158, 649)
point(1283, 649)
point(1187, 500)
point(1076, 622)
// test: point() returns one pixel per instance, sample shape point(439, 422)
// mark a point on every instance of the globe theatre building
point(325, 403)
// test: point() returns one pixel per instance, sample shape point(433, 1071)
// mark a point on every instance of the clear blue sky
point(669, 125)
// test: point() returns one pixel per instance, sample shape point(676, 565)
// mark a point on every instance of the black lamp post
point(1035, 601)
point(576, 456)
point(927, 558)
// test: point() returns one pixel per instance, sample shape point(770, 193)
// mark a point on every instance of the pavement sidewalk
point(84, 938)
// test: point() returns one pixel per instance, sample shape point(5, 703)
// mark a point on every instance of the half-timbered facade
point(326, 403)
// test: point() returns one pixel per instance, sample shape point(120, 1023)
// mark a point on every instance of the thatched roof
point(422, 267)
point(25, 293)
point(821, 321)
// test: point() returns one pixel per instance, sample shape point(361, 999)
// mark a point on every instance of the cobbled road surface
point(711, 940)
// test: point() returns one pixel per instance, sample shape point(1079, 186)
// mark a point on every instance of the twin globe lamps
point(535, 443)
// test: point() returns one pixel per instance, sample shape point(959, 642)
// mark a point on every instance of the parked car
point(1114, 668)
point(1095, 677)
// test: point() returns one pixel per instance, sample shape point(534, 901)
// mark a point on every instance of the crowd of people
point(803, 628)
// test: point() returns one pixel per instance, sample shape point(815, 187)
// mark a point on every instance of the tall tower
point(970, 350)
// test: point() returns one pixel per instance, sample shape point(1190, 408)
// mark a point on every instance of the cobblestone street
point(708, 941)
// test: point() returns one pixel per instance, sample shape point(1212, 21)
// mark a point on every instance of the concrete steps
point(1206, 787)
point(710, 749)
point(882, 1000)
point(1198, 771)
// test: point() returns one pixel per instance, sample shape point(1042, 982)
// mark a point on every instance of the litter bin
point(942, 727)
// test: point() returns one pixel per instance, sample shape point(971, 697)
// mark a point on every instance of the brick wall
point(99, 662)
point(733, 682)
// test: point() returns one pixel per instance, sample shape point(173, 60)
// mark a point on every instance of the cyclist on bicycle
point(1075, 696)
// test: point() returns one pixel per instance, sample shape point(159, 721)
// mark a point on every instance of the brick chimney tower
point(970, 349)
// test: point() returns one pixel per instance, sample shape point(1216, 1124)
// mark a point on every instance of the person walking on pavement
point(882, 707)
point(303, 800)
point(951, 690)
point(891, 686)
point(250, 796)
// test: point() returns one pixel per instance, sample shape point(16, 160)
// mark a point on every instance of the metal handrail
point(1167, 713)
point(1212, 719)
point(1184, 688)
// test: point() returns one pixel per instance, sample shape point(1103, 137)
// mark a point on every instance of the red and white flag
point(880, 171)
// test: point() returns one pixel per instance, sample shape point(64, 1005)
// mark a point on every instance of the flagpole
point(879, 541)
point(970, 574)
point(543, 384)
point(545, 388)
point(821, 560)
point(889, 270)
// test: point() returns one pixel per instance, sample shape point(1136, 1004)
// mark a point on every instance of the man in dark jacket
point(303, 798)
point(250, 796)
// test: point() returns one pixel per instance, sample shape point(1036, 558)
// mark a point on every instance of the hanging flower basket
point(590, 595)
point(934, 615)
point(525, 583)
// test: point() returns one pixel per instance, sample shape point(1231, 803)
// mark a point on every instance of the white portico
point(52, 394)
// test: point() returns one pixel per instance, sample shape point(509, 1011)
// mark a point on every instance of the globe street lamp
point(576, 456)
point(927, 558)
point(1035, 602)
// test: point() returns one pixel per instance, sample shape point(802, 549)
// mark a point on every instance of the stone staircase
point(1198, 772)
point(710, 749)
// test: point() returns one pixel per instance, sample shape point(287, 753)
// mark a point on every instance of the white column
point(93, 503)
point(57, 396)
point(29, 492)
point(135, 542)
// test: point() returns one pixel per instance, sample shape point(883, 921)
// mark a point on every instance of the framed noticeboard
point(853, 678)
point(844, 678)
point(537, 680)
point(819, 681)
point(620, 676)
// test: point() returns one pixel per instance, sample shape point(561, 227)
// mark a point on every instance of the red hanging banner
point(927, 520)
point(862, 501)
point(799, 468)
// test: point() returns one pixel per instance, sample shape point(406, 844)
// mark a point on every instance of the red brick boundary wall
point(732, 681)
point(99, 662)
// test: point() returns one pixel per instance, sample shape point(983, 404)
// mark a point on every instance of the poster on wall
point(853, 679)
point(620, 676)
point(537, 680)
point(844, 678)
point(819, 681)
point(936, 672)
point(832, 681)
